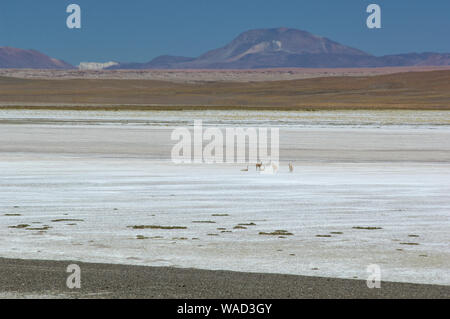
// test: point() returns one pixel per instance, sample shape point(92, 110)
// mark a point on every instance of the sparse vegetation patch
point(277, 233)
point(156, 227)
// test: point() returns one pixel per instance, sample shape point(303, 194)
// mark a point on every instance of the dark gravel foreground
point(47, 279)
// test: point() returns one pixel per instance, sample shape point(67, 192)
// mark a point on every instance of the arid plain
point(297, 89)
point(370, 185)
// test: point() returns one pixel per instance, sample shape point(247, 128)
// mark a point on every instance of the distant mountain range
point(13, 58)
point(262, 48)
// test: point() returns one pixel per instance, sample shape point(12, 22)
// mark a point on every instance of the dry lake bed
point(367, 188)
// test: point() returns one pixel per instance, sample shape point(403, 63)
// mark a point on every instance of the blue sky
point(139, 30)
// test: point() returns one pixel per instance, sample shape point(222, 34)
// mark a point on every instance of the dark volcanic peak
point(32, 59)
point(263, 48)
point(277, 41)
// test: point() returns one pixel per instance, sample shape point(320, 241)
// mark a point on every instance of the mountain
point(272, 48)
point(284, 47)
point(161, 62)
point(417, 59)
point(17, 58)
